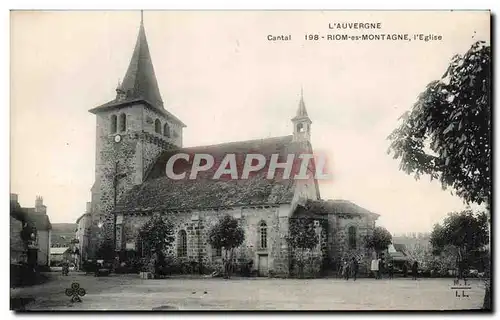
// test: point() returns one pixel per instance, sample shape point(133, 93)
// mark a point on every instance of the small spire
point(142, 17)
point(301, 111)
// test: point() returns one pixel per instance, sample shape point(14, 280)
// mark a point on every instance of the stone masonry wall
point(198, 223)
point(341, 250)
point(129, 158)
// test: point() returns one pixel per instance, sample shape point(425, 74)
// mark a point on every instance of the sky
point(220, 75)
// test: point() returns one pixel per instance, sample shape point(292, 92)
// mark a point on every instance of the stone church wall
point(339, 236)
point(197, 225)
point(137, 150)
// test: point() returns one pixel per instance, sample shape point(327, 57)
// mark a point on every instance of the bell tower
point(132, 130)
point(301, 122)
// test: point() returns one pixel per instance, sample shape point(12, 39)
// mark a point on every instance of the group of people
point(378, 268)
point(350, 268)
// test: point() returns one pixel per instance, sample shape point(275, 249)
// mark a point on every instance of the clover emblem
point(75, 292)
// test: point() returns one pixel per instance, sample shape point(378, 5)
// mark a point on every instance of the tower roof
point(139, 84)
point(301, 111)
point(140, 80)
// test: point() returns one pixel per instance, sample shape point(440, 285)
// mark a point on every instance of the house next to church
point(136, 136)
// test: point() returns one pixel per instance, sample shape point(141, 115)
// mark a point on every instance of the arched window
point(123, 122)
point(216, 252)
point(158, 126)
point(182, 244)
point(113, 123)
point(300, 127)
point(352, 237)
point(166, 130)
point(263, 235)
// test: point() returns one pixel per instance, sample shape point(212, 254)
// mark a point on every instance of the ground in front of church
point(129, 292)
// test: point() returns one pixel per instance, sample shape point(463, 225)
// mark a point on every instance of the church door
point(263, 265)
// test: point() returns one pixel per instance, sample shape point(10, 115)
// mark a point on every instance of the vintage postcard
point(250, 160)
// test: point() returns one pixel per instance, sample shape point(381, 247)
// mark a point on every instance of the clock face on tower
point(118, 138)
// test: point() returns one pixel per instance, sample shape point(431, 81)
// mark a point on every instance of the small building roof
point(41, 221)
point(83, 215)
point(338, 207)
point(58, 250)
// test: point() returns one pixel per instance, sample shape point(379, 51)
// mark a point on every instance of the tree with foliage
point(447, 134)
point(226, 235)
point(465, 232)
point(379, 240)
point(156, 235)
point(302, 238)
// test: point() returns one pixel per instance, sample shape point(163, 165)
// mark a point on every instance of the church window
point(123, 122)
point(217, 252)
point(263, 235)
point(113, 123)
point(352, 237)
point(182, 244)
point(300, 127)
point(166, 130)
point(157, 126)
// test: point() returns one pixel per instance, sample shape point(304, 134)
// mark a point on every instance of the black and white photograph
point(250, 160)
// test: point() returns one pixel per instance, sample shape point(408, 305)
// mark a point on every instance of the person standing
point(414, 270)
point(374, 268)
point(354, 268)
point(390, 268)
point(346, 270)
point(379, 275)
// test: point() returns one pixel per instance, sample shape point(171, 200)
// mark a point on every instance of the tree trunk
point(487, 296)
point(229, 263)
point(487, 291)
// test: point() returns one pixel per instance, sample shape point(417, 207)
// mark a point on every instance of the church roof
point(159, 192)
point(301, 111)
point(139, 83)
point(337, 207)
point(140, 80)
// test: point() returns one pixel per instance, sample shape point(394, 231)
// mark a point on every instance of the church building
point(136, 135)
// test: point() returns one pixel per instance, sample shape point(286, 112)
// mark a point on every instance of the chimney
point(88, 208)
point(39, 207)
point(14, 197)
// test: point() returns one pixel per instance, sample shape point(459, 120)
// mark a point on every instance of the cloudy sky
point(220, 75)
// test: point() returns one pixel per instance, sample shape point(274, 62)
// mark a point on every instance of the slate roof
point(140, 83)
point(159, 192)
point(39, 220)
point(301, 111)
point(399, 253)
point(16, 211)
point(337, 207)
